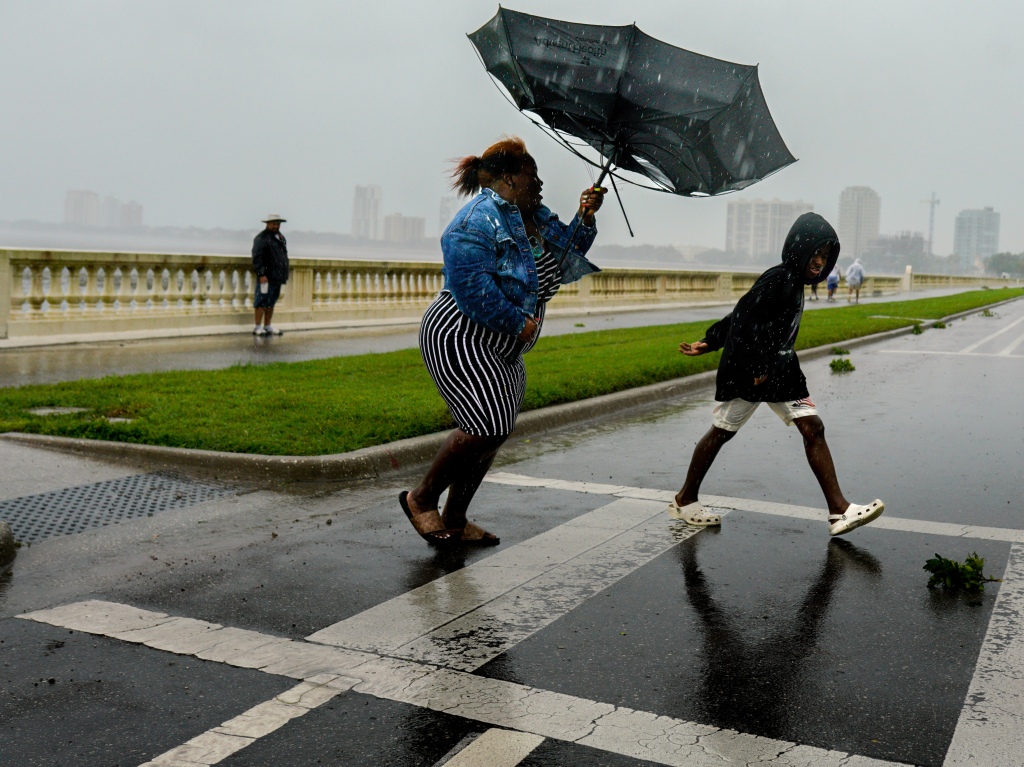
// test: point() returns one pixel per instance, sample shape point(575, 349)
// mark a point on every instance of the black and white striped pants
point(479, 372)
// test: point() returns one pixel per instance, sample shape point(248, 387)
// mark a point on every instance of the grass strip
point(345, 403)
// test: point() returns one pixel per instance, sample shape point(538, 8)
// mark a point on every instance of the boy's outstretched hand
point(693, 350)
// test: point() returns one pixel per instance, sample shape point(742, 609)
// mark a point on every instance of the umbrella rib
point(515, 61)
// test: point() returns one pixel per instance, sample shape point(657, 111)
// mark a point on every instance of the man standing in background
point(270, 262)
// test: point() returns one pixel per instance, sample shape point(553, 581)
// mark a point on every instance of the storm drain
point(74, 509)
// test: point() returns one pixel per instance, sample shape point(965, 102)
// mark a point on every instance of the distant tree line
point(1005, 263)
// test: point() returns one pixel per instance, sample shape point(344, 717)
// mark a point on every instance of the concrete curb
point(7, 548)
point(372, 462)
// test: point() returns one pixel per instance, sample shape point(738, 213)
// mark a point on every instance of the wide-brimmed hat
point(273, 217)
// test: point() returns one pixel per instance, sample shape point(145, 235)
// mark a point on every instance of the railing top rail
point(68, 257)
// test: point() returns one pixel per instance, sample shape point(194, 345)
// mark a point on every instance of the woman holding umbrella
point(505, 256)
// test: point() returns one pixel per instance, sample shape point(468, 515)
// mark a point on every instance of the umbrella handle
point(604, 171)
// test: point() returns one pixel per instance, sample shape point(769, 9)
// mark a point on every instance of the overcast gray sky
point(213, 113)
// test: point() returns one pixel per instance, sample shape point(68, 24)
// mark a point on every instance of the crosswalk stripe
point(496, 748)
point(615, 729)
point(990, 730)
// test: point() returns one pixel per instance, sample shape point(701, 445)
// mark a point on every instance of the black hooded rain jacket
point(757, 337)
point(270, 256)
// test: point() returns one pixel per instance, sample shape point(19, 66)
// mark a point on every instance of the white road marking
point(455, 624)
point(496, 748)
point(725, 503)
point(468, 618)
point(235, 734)
point(944, 353)
point(616, 729)
point(990, 732)
point(998, 333)
point(1009, 349)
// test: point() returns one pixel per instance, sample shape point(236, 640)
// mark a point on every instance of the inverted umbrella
point(691, 124)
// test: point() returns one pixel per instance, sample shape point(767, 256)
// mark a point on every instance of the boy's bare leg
point(812, 429)
point(703, 456)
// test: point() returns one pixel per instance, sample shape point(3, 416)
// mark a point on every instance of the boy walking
point(759, 365)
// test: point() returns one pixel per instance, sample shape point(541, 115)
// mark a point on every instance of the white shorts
point(731, 415)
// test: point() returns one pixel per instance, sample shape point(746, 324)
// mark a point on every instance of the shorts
point(266, 300)
point(731, 415)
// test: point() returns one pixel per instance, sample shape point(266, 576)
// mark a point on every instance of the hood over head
point(808, 233)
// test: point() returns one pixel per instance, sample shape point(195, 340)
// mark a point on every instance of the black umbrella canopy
point(692, 124)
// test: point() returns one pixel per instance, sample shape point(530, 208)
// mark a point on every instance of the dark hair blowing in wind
point(508, 155)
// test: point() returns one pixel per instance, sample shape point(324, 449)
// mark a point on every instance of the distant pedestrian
point(505, 256)
point(270, 262)
point(833, 283)
point(814, 291)
point(759, 364)
point(854, 280)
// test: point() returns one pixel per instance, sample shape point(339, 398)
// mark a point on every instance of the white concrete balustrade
point(51, 294)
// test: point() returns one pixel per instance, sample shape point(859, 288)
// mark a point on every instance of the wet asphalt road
point(763, 627)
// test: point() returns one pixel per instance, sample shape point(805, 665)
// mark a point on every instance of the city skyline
point(103, 102)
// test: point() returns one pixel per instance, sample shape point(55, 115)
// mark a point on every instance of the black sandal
point(473, 535)
point(427, 523)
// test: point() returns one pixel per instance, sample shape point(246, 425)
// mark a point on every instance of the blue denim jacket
point(489, 267)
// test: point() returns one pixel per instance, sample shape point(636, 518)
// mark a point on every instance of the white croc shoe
point(694, 514)
point(855, 516)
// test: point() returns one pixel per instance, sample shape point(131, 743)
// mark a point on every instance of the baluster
point(202, 287)
point(75, 297)
point(91, 290)
point(52, 294)
point(175, 290)
point(116, 289)
point(104, 289)
point(20, 289)
point(163, 288)
point(317, 298)
point(146, 291)
point(348, 296)
point(358, 294)
point(34, 291)
point(132, 290)
point(377, 287)
point(330, 287)
point(188, 290)
point(248, 279)
point(238, 284)
point(223, 289)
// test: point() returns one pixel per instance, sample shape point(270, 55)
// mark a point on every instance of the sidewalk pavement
point(94, 359)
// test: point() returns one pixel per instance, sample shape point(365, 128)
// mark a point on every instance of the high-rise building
point(399, 228)
point(758, 228)
point(82, 208)
point(131, 215)
point(860, 209)
point(975, 237)
point(366, 212)
point(449, 207)
point(110, 212)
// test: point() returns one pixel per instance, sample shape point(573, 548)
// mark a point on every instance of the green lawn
point(341, 404)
